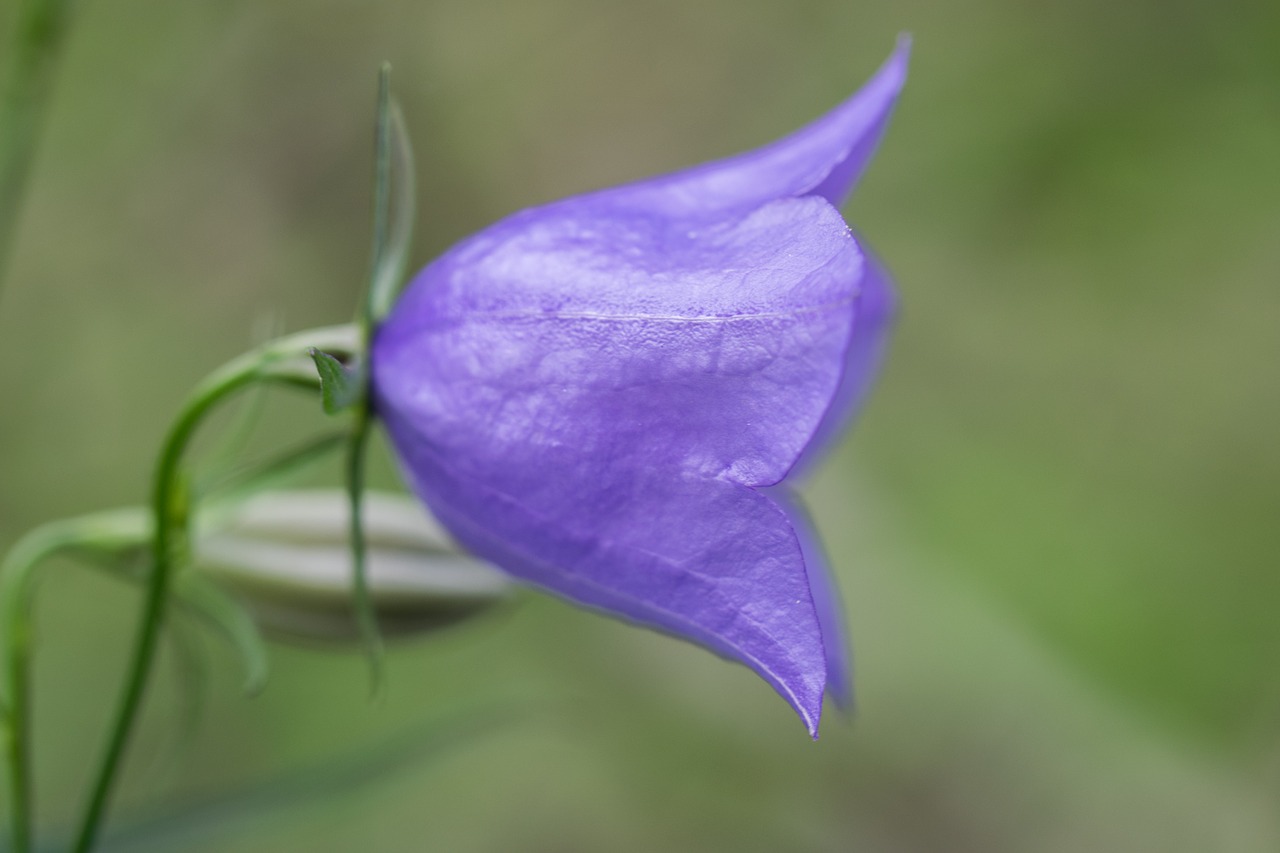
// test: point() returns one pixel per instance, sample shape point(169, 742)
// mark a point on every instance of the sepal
point(341, 387)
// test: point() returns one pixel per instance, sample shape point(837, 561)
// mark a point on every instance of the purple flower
point(608, 396)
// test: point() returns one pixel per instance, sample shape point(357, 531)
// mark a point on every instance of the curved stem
point(109, 531)
point(168, 543)
point(168, 512)
point(15, 575)
point(37, 35)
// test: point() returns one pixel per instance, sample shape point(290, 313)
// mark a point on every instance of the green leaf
point(340, 387)
point(389, 268)
point(394, 205)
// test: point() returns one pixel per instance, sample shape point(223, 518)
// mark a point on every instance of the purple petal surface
point(603, 395)
point(826, 598)
point(873, 312)
point(825, 157)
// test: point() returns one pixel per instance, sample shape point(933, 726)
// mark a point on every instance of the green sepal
point(395, 195)
point(392, 261)
point(341, 387)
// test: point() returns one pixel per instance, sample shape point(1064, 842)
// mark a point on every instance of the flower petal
point(710, 561)
point(873, 311)
point(824, 158)
point(713, 350)
point(589, 398)
point(826, 597)
point(604, 395)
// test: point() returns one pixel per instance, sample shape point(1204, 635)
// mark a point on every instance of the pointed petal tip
point(891, 76)
point(811, 717)
point(839, 689)
point(847, 136)
point(893, 71)
point(902, 50)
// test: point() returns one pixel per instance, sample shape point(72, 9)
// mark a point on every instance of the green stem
point(15, 576)
point(111, 531)
point(366, 618)
point(168, 540)
point(32, 55)
point(169, 515)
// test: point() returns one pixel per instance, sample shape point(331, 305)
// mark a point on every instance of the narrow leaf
point(381, 194)
point(389, 268)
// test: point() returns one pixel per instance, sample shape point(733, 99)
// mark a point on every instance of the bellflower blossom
point(609, 396)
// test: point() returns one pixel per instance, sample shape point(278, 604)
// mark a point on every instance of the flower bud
point(286, 557)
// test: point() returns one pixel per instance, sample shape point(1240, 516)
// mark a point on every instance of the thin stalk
point(166, 508)
point(110, 531)
point(169, 510)
point(15, 574)
point(32, 56)
point(366, 618)
point(367, 318)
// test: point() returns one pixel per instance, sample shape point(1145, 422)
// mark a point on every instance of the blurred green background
point(1057, 526)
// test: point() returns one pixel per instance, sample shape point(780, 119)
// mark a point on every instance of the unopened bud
point(286, 557)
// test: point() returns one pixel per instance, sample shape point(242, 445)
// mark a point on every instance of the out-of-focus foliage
point(1056, 525)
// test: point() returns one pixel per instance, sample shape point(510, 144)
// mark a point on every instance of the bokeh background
point(1057, 525)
